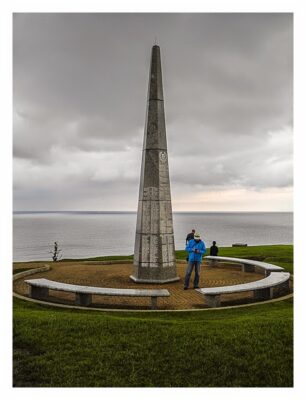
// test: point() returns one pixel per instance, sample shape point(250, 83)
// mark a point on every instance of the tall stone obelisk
point(154, 255)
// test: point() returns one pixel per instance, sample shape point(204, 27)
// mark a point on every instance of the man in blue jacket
point(196, 248)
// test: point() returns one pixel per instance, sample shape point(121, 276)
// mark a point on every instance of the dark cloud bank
point(80, 84)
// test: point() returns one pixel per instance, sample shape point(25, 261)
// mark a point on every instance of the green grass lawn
point(244, 347)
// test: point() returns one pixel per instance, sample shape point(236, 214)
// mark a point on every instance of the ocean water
point(90, 234)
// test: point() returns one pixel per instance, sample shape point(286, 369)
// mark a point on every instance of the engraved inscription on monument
point(163, 156)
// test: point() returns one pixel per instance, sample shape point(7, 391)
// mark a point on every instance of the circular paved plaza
point(117, 276)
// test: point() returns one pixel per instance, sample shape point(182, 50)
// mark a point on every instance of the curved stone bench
point(248, 265)
point(263, 289)
point(39, 289)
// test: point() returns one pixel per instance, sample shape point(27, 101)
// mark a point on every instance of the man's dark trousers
point(196, 265)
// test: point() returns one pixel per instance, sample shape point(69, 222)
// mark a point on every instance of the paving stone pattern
point(117, 276)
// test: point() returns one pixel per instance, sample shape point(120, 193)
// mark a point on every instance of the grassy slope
point(244, 347)
point(251, 346)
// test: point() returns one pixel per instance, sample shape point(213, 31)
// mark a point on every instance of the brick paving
point(117, 276)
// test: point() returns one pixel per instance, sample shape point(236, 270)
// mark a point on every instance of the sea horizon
point(94, 233)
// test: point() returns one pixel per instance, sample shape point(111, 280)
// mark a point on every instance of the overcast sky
point(80, 88)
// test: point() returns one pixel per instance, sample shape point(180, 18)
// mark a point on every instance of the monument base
point(139, 280)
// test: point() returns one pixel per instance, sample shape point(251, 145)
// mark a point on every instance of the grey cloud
point(80, 83)
point(87, 195)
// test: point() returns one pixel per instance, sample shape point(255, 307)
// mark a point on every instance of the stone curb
point(32, 271)
point(67, 306)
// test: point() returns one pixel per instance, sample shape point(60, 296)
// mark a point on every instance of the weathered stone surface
point(262, 289)
point(47, 284)
point(268, 268)
point(274, 279)
point(154, 255)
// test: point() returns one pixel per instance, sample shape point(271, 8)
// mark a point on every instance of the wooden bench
point(39, 289)
point(248, 265)
point(263, 289)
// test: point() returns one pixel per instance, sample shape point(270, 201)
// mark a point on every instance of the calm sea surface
point(90, 234)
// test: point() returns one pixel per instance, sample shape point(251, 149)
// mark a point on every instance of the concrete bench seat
point(248, 265)
point(263, 289)
point(39, 289)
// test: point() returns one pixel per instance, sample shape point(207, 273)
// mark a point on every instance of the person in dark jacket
point(214, 249)
point(213, 252)
point(196, 248)
point(190, 236)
